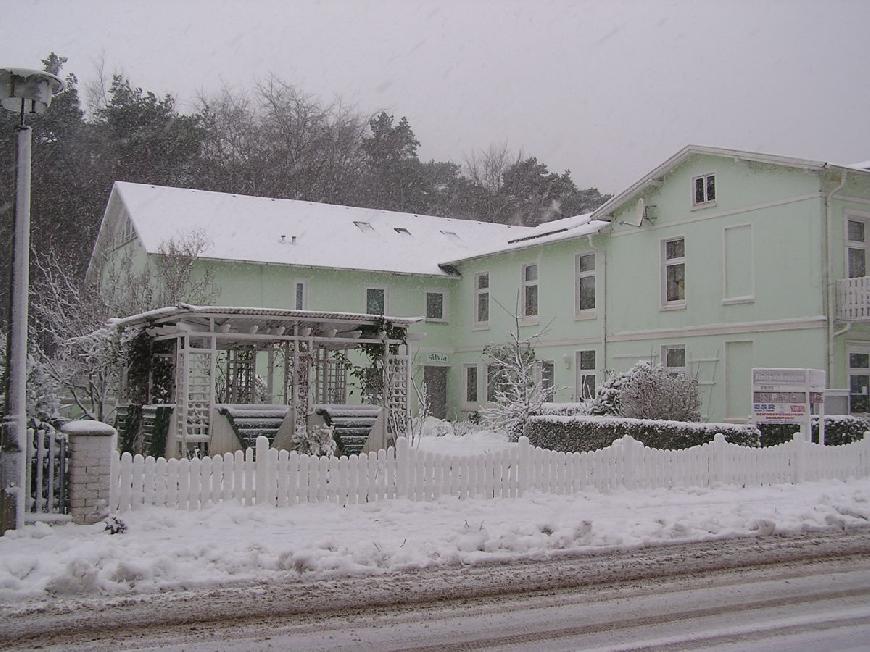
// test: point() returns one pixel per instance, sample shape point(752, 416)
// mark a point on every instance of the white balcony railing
point(853, 299)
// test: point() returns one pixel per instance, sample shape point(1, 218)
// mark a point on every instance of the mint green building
point(714, 262)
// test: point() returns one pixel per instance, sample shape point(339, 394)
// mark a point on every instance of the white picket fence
point(270, 477)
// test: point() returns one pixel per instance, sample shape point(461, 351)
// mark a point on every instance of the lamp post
point(22, 91)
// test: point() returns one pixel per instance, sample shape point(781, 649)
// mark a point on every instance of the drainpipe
point(830, 283)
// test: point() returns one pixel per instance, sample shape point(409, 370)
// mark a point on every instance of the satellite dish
point(638, 213)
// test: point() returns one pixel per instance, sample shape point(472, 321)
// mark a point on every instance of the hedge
point(839, 430)
point(574, 434)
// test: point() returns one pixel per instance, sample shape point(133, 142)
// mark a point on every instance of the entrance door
point(436, 389)
point(738, 372)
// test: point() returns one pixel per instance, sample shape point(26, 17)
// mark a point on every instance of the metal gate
point(47, 472)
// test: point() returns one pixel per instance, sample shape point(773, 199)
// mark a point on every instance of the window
point(674, 278)
point(585, 375)
point(704, 189)
point(530, 290)
point(401, 230)
point(435, 306)
point(299, 295)
point(584, 283)
point(481, 299)
point(548, 379)
point(376, 301)
point(859, 380)
point(674, 359)
point(856, 247)
point(471, 384)
point(450, 234)
point(363, 226)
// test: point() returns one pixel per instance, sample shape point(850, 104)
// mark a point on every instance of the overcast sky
point(607, 89)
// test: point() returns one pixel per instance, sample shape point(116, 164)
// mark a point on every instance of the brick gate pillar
point(92, 445)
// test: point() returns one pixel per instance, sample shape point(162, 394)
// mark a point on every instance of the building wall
point(755, 288)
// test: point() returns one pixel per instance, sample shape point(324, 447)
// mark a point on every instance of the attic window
point(450, 234)
point(363, 226)
point(401, 230)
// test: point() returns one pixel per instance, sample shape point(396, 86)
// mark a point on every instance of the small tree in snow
point(516, 384)
point(649, 392)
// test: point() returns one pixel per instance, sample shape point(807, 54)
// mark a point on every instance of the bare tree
point(71, 342)
point(486, 167)
point(515, 381)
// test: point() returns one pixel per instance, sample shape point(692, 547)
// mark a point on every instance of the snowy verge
point(164, 549)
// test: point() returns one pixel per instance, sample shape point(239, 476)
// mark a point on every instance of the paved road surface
point(766, 593)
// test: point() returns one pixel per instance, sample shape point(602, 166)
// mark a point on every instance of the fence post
point(628, 471)
point(523, 471)
point(92, 445)
point(718, 469)
point(261, 470)
point(800, 461)
point(402, 460)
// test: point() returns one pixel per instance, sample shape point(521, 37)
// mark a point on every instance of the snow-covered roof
point(565, 229)
point(183, 310)
point(286, 231)
point(863, 165)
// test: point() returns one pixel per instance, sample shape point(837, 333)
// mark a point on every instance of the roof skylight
point(450, 234)
point(401, 230)
point(363, 226)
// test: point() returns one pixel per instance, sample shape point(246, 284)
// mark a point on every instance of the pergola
point(207, 356)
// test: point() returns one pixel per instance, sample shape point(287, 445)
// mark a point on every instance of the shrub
point(839, 430)
point(649, 392)
point(573, 434)
point(315, 440)
point(565, 409)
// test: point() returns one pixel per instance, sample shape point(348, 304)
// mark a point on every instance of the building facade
point(715, 262)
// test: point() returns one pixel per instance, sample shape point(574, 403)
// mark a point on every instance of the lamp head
point(28, 91)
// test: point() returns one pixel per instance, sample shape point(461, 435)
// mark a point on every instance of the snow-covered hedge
point(573, 434)
point(565, 409)
point(839, 429)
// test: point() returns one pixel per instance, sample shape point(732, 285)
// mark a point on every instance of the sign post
point(787, 396)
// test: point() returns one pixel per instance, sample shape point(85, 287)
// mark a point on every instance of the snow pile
point(473, 443)
point(163, 549)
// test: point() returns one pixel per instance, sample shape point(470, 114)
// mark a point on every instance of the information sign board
point(785, 395)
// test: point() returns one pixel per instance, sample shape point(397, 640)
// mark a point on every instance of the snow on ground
point(438, 437)
point(164, 549)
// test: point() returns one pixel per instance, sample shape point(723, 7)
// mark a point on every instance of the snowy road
point(770, 593)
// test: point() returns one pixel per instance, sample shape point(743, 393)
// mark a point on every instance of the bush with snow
point(649, 392)
point(315, 440)
point(574, 434)
point(840, 429)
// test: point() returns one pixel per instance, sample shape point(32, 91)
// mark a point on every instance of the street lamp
point(22, 91)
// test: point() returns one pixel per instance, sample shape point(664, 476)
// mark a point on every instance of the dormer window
point(704, 189)
point(401, 230)
point(363, 226)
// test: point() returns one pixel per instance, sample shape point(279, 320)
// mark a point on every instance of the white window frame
point(856, 216)
point(304, 283)
point(707, 201)
point(526, 284)
point(859, 371)
point(443, 318)
point(664, 358)
point(386, 298)
point(478, 292)
point(466, 386)
point(676, 304)
point(748, 298)
point(585, 313)
point(581, 374)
